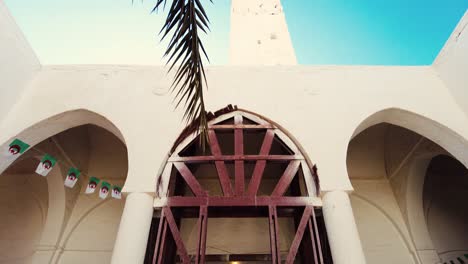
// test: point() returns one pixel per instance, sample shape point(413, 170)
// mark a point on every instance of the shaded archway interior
point(55, 216)
point(249, 197)
point(381, 164)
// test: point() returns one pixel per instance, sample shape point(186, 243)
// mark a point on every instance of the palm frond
point(184, 51)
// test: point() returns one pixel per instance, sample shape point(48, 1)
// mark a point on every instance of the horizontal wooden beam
point(195, 159)
point(179, 201)
point(240, 126)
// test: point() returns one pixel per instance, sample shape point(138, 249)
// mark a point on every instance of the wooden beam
point(220, 166)
point(299, 234)
point(319, 245)
point(179, 201)
point(163, 243)
point(239, 151)
point(240, 126)
point(202, 229)
point(159, 238)
point(260, 164)
point(199, 159)
point(312, 241)
point(286, 179)
point(190, 179)
point(176, 235)
point(274, 236)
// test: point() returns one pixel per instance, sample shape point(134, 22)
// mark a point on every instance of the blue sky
point(372, 32)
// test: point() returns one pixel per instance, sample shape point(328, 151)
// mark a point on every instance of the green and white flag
point(104, 191)
point(92, 185)
point(116, 192)
point(72, 177)
point(14, 150)
point(46, 165)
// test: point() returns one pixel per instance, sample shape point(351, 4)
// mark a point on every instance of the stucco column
point(132, 237)
point(343, 235)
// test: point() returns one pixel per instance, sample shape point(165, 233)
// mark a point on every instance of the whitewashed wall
point(18, 63)
point(452, 63)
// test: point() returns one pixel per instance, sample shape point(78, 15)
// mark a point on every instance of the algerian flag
point(92, 185)
point(116, 192)
point(14, 150)
point(104, 191)
point(47, 162)
point(72, 177)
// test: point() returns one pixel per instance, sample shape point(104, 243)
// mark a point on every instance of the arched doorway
point(249, 197)
point(398, 175)
point(48, 222)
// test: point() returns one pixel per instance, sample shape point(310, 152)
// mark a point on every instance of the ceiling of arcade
point(383, 150)
point(91, 149)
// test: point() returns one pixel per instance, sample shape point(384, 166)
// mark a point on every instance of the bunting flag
point(72, 177)
point(104, 191)
point(46, 165)
point(14, 150)
point(17, 147)
point(92, 185)
point(116, 192)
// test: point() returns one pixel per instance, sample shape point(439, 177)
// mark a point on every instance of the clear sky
point(375, 32)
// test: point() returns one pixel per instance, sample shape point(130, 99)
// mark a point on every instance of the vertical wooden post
point(201, 246)
point(239, 150)
point(274, 236)
point(220, 165)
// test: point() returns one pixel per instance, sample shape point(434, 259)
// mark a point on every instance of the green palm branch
point(184, 21)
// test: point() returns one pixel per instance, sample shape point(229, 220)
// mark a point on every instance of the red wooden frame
point(239, 195)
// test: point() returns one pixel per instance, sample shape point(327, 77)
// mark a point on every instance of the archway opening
point(250, 197)
point(445, 207)
point(387, 166)
point(47, 220)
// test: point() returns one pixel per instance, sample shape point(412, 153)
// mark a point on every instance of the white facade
point(322, 107)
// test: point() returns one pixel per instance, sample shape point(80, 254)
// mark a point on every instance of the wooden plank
point(286, 179)
point(239, 150)
point(176, 235)
point(312, 241)
point(319, 245)
point(309, 179)
point(157, 250)
point(220, 166)
point(199, 159)
point(274, 236)
point(240, 126)
point(179, 201)
point(163, 243)
point(190, 179)
point(299, 234)
point(202, 229)
point(260, 164)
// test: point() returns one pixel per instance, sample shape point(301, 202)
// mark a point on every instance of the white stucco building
point(390, 144)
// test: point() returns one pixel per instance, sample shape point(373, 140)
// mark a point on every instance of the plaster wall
point(452, 63)
point(23, 207)
point(320, 106)
point(18, 63)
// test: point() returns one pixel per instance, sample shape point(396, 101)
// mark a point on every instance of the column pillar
point(342, 232)
point(132, 237)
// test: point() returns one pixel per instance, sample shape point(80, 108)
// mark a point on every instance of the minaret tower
point(259, 34)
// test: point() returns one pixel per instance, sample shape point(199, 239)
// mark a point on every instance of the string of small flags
point(17, 147)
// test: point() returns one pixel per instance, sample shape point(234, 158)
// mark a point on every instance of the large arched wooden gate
point(244, 151)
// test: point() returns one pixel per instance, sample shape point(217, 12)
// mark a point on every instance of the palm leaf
point(184, 19)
